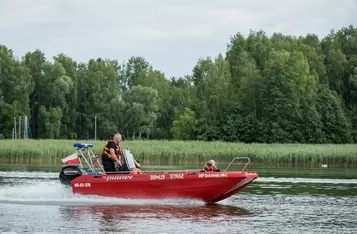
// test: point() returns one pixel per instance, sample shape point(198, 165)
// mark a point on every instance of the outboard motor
point(69, 173)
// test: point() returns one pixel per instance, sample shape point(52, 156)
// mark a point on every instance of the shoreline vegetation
point(276, 88)
point(188, 152)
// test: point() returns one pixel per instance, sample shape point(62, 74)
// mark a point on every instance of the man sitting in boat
point(210, 166)
point(111, 153)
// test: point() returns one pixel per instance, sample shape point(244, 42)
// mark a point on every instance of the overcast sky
point(171, 34)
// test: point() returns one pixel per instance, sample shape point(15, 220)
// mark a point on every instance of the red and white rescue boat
point(209, 187)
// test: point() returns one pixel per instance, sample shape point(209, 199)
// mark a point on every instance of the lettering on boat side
point(209, 175)
point(82, 185)
point(176, 176)
point(157, 177)
point(119, 178)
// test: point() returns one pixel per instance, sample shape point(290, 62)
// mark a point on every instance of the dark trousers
point(108, 164)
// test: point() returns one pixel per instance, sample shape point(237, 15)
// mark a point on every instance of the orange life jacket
point(106, 150)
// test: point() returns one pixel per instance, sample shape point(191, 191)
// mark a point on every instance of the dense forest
point(278, 88)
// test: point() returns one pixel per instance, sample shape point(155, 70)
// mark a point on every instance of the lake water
point(281, 200)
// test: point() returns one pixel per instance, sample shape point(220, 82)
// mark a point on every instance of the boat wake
point(30, 175)
point(41, 188)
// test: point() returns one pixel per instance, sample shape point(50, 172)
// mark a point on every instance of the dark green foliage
point(34, 61)
point(50, 122)
point(280, 99)
point(70, 112)
point(274, 89)
point(16, 86)
point(98, 96)
point(335, 125)
point(140, 111)
point(184, 128)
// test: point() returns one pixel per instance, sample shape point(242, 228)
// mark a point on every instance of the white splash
point(52, 192)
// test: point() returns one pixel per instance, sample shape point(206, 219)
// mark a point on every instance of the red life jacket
point(106, 150)
point(211, 169)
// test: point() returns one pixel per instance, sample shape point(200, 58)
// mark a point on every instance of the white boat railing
point(85, 153)
point(238, 158)
point(183, 170)
point(154, 171)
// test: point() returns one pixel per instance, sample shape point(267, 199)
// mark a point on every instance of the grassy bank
point(191, 152)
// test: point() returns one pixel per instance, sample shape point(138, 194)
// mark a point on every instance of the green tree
point(212, 80)
point(184, 128)
point(34, 61)
point(248, 96)
point(236, 46)
point(49, 122)
point(335, 67)
point(259, 47)
point(56, 85)
point(284, 42)
point(70, 110)
point(281, 94)
point(131, 71)
point(313, 53)
point(157, 80)
point(306, 87)
point(335, 125)
point(141, 110)
point(183, 93)
point(16, 84)
point(98, 96)
point(249, 86)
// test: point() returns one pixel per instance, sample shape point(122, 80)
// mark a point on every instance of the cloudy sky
point(171, 34)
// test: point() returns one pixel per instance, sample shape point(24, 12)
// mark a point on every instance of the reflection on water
point(111, 218)
point(162, 212)
point(37, 202)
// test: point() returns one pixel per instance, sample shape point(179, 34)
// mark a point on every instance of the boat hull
point(206, 186)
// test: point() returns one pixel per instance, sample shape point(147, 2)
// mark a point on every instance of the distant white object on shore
point(324, 165)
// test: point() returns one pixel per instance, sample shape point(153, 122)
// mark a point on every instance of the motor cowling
point(69, 173)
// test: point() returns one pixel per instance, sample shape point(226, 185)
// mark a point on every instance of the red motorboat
point(188, 184)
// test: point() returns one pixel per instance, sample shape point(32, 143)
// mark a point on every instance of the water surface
point(312, 201)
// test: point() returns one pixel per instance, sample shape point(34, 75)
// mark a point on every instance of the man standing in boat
point(111, 153)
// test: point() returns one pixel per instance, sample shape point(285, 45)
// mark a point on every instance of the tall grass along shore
point(187, 152)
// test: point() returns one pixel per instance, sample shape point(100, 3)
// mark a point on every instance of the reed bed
point(188, 152)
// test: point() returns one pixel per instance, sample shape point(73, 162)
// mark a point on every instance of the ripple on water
point(268, 205)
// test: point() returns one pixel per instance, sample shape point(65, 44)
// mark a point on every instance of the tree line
point(273, 89)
